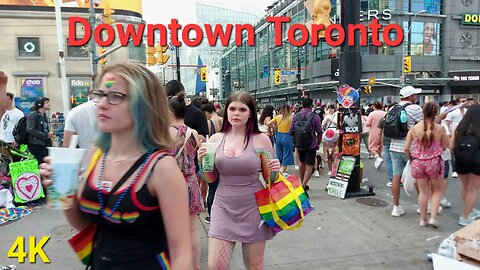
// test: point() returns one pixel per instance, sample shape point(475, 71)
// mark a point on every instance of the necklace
point(121, 159)
point(100, 186)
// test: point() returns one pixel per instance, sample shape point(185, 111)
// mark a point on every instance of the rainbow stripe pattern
point(82, 243)
point(283, 204)
point(163, 261)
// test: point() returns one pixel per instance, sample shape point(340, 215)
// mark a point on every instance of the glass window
point(81, 51)
point(364, 5)
point(138, 53)
point(373, 4)
point(29, 47)
point(432, 6)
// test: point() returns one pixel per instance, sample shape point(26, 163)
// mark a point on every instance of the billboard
point(134, 6)
point(425, 37)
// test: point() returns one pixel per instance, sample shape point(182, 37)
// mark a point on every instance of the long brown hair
point(430, 110)
point(252, 123)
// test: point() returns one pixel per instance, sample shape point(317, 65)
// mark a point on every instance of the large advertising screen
point(127, 5)
point(425, 38)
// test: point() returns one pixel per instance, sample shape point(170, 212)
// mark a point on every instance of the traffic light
point(161, 57)
point(277, 76)
point(368, 89)
point(102, 61)
point(203, 74)
point(151, 60)
point(372, 81)
point(107, 15)
point(407, 64)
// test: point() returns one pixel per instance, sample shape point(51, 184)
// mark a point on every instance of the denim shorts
point(399, 160)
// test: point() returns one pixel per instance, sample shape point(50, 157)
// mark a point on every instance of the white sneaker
point(397, 211)
point(474, 214)
point(389, 184)
point(378, 162)
point(316, 174)
point(454, 175)
point(297, 168)
point(444, 203)
point(329, 173)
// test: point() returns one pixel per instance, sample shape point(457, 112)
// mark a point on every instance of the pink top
point(374, 118)
point(426, 153)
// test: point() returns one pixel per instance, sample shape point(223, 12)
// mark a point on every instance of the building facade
point(30, 57)
point(440, 36)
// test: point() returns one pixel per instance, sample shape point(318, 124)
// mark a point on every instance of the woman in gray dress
point(235, 216)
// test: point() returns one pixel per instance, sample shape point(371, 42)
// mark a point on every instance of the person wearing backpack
point(39, 135)
point(398, 121)
point(307, 131)
point(465, 144)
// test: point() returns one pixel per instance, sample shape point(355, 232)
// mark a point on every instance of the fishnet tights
point(220, 253)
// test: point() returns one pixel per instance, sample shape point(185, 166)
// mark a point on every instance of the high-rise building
point(213, 13)
point(440, 36)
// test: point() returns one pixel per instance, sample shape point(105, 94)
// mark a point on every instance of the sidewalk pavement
point(338, 234)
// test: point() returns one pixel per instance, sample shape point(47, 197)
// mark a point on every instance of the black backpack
point(466, 150)
point(394, 128)
point(20, 133)
point(303, 135)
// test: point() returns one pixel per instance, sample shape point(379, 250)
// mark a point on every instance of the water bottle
point(403, 116)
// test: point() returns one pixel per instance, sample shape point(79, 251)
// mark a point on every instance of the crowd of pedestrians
point(149, 184)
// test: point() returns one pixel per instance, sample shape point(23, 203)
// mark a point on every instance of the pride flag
point(82, 243)
point(284, 204)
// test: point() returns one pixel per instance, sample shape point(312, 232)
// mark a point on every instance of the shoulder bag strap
point(187, 136)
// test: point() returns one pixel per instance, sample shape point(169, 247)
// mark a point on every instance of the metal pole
point(299, 73)
point(177, 56)
point(61, 58)
point(92, 41)
point(409, 40)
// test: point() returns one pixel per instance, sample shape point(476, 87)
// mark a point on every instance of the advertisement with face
point(424, 38)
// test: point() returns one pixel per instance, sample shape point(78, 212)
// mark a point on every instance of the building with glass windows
point(29, 50)
point(441, 36)
point(213, 12)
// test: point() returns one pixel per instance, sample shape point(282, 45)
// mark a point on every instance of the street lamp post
point(299, 74)
point(409, 39)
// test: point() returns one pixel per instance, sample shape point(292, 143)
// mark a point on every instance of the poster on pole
point(337, 187)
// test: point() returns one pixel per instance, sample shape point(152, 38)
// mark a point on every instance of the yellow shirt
point(283, 126)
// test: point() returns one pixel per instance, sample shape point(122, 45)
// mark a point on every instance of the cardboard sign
point(351, 122)
point(337, 188)
point(26, 182)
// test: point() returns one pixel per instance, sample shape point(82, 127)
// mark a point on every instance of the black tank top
point(135, 232)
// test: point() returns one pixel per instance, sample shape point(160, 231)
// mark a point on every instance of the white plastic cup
point(65, 164)
point(208, 161)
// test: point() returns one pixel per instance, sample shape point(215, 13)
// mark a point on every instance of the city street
point(338, 234)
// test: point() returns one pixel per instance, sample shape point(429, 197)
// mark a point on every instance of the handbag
point(283, 204)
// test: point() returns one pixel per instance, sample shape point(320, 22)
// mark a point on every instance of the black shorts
point(307, 156)
point(466, 169)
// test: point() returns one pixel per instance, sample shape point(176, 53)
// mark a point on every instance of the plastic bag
point(407, 179)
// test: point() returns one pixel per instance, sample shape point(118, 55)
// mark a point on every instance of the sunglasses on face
point(113, 97)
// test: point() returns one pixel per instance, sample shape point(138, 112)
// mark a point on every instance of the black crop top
point(135, 231)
